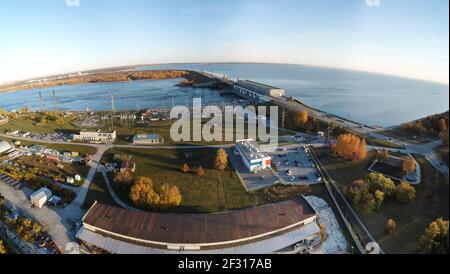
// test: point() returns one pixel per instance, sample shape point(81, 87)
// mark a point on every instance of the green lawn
point(213, 192)
point(432, 202)
point(98, 192)
point(21, 123)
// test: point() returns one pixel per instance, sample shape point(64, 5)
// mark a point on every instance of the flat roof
point(251, 150)
point(255, 85)
point(198, 229)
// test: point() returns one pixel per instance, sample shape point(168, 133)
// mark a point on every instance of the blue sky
point(400, 37)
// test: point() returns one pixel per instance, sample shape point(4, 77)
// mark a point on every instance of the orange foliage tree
point(303, 117)
point(351, 147)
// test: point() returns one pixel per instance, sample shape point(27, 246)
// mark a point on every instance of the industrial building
point(147, 139)
point(259, 230)
point(252, 155)
point(98, 136)
point(257, 91)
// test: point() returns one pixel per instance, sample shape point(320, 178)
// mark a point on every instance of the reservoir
point(373, 99)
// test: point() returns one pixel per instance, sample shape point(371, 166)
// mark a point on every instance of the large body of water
point(364, 97)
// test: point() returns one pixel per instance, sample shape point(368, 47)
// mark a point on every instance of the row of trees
point(220, 164)
point(350, 147)
point(434, 125)
point(369, 194)
point(144, 195)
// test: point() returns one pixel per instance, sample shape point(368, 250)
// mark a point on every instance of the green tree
point(378, 181)
point(435, 237)
point(379, 199)
point(361, 196)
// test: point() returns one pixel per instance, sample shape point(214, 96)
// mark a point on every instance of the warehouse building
point(147, 139)
point(259, 230)
point(252, 155)
point(256, 90)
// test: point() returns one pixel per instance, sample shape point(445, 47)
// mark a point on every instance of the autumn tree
point(362, 150)
point(405, 193)
point(391, 226)
point(221, 160)
point(170, 195)
point(199, 171)
point(350, 147)
point(185, 168)
point(142, 193)
point(2, 248)
point(383, 154)
point(409, 164)
point(435, 237)
point(442, 125)
point(303, 117)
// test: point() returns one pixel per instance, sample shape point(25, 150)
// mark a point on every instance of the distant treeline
point(114, 76)
point(433, 125)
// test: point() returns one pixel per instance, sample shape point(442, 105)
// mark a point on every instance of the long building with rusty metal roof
point(252, 230)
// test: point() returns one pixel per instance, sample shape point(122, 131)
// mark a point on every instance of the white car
point(289, 172)
point(292, 179)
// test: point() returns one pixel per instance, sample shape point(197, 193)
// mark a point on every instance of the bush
point(391, 226)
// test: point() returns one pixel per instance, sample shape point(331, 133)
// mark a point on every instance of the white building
point(5, 147)
point(98, 136)
point(40, 197)
point(252, 155)
point(147, 139)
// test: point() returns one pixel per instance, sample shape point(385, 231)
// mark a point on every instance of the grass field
point(432, 202)
point(23, 124)
point(405, 136)
point(98, 192)
point(213, 192)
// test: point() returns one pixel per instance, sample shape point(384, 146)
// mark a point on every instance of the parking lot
point(293, 165)
point(252, 181)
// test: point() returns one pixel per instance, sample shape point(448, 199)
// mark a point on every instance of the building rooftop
point(197, 229)
point(255, 85)
point(146, 136)
point(97, 131)
point(251, 150)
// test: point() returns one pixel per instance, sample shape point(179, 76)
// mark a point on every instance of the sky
point(407, 38)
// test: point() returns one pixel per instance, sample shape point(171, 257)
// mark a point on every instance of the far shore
point(106, 77)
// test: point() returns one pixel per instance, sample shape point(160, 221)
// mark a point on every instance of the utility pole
point(41, 101)
point(283, 118)
point(55, 102)
point(113, 108)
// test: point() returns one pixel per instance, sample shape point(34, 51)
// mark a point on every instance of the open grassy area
point(213, 192)
point(404, 136)
point(22, 123)
point(432, 202)
point(98, 192)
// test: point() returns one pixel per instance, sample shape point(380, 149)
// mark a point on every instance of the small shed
point(77, 178)
point(70, 180)
point(40, 197)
